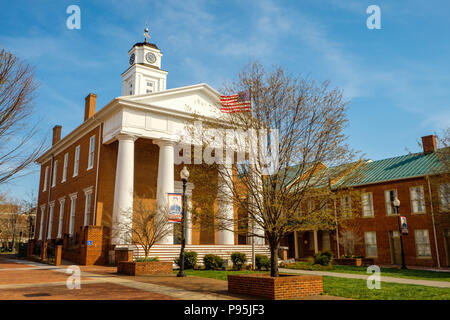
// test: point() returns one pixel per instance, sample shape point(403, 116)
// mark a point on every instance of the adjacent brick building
point(421, 182)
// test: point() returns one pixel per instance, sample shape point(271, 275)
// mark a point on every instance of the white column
point(123, 190)
point(165, 181)
point(255, 200)
point(188, 221)
point(316, 242)
point(296, 244)
point(225, 207)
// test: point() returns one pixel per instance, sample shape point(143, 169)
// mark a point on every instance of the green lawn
point(398, 273)
point(357, 289)
point(386, 272)
point(353, 288)
point(216, 274)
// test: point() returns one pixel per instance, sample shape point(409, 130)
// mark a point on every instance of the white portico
point(148, 111)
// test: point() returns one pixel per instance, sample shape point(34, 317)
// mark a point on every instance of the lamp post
point(184, 174)
point(396, 204)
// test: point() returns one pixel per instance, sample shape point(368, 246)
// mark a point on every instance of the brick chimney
point(429, 143)
point(89, 107)
point(56, 134)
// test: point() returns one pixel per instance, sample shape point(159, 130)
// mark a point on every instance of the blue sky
point(397, 78)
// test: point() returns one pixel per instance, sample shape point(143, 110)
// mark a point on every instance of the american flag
point(236, 103)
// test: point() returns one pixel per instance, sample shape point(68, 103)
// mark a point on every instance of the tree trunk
point(146, 252)
point(274, 259)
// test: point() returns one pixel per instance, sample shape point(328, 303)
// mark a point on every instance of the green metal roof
point(323, 177)
point(402, 167)
point(397, 168)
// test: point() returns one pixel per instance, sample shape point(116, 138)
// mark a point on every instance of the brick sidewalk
point(20, 279)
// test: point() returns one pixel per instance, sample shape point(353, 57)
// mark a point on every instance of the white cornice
point(133, 102)
point(78, 132)
point(211, 92)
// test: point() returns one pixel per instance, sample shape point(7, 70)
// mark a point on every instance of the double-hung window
point(76, 164)
point(91, 152)
point(50, 221)
point(45, 179)
point(389, 196)
point(367, 204)
point(41, 224)
point(73, 203)
point(346, 206)
point(55, 171)
point(422, 243)
point(61, 217)
point(370, 240)
point(417, 199)
point(87, 206)
point(66, 163)
point(444, 197)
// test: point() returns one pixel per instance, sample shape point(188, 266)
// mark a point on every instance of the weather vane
point(146, 34)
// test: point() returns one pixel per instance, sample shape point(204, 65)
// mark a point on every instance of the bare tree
point(148, 225)
point(439, 181)
point(299, 126)
point(350, 237)
point(444, 151)
point(17, 148)
point(9, 217)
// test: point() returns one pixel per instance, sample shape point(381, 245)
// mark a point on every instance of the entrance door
point(396, 254)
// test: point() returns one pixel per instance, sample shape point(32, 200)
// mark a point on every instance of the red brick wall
point(283, 287)
point(84, 179)
point(382, 223)
point(137, 268)
point(96, 253)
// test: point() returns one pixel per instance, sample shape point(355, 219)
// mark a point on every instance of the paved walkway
point(428, 283)
point(21, 279)
point(32, 274)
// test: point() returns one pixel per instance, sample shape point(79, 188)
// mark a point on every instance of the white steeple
point(144, 74)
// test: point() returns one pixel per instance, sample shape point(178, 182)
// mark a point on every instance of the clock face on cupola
point(150, 57)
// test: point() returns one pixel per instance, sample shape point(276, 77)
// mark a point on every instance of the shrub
point(190, 259)
point(323, 258)
point(262, 261)
point(149, 259)
point(212, 262)
point(238, 259)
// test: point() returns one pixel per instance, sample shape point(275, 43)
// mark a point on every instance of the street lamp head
point(184, 174)
point(396, 202)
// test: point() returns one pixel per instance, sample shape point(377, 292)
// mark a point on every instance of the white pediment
point(162, 115)
point(193, 100)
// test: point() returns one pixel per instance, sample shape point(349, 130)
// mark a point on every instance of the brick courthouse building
point(123, 151)
point(421, 183)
